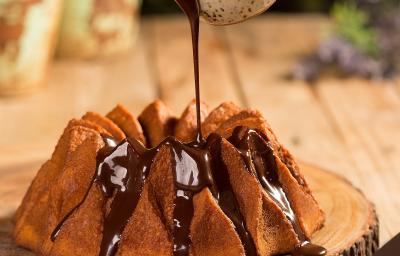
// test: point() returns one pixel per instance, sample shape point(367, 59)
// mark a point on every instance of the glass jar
point(96, 28)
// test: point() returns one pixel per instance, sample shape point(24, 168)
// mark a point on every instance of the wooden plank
point(397, 82)
point(174, 61)
point(368, 116)
point(15, 180)
point(263, 51)
point(31, 124)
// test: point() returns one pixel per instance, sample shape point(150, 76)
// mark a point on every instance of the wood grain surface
point(350, 217)
point(349, 126)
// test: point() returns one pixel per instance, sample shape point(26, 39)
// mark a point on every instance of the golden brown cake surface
point(233, 206)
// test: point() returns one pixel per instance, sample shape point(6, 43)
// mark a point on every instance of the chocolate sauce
point(192, 173)
point(259, 157)
point(258, 154)
point(123, 169)
point(305, 248)
point(192, 10)
point(225, 196)
point(121, 174)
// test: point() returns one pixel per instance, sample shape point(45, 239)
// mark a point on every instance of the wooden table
point(351, 126)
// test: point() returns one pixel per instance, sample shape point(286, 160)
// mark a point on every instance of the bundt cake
point(120, 185)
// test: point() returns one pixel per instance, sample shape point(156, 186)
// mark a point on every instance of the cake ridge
point(258, 155)
point(225, 196)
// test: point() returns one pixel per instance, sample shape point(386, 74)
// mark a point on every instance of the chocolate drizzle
point(192, 173)
point(305, 248)
point(122, 171)
point(192, 10)
point(259, 157)
point(226, 197)
point(125, 171)
point(258, 154)
point(121, 174)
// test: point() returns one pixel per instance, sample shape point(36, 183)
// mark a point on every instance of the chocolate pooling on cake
point(121, 173)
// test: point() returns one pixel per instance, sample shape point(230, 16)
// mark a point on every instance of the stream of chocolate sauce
point(122, 171)
point(192, 10)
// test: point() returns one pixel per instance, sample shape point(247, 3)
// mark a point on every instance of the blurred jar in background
point(97, 28)
point(28, 31)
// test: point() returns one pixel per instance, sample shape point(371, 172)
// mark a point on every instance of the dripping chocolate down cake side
point(206, 183)
point(107, 191)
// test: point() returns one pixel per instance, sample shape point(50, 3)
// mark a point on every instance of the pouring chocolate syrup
point(122, 171)
point(192, 10)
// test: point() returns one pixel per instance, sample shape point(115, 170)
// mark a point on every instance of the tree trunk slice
point(351, 227)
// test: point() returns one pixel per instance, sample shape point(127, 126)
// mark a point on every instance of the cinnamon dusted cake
point(121, 185)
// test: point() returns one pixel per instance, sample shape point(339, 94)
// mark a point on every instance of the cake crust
point(66, 181)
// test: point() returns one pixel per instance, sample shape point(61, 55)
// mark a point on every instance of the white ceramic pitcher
point(225, 12)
